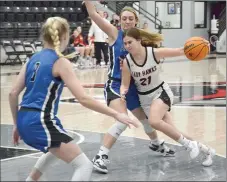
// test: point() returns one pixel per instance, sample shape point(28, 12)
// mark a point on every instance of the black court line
point(131, 158)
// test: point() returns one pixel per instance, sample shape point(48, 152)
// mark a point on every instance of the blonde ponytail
point(53, 29)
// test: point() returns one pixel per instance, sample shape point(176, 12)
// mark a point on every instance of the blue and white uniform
point(37, 122)
point(113, 84)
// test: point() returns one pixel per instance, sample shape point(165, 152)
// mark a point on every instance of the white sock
point(204, 148)
point(183, 141)
point(45, 161)
point(155, 141)
point(29, 179)
point(83, 168)
point(103, 150)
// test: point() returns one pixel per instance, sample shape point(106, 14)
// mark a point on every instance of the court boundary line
point(171, 143)
point(81, 140)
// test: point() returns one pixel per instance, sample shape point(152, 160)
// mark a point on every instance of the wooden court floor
point(201, 111)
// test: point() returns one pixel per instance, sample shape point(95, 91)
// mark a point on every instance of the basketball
point(196, 48)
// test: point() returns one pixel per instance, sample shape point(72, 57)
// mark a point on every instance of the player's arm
point(125, 79)
point(64, 69)
point(168, 52)
point(105, 26)
point(15, 92)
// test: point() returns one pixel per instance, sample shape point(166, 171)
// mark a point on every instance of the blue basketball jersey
point(43, 90)
point(116, 50)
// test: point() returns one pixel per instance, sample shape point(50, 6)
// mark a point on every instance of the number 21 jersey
point(147, 75)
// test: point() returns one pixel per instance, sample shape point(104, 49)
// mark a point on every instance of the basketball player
point(36, 122)
point(128, 19)
point(156, 97)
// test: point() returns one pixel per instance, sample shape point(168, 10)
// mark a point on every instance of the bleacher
point(21, 21)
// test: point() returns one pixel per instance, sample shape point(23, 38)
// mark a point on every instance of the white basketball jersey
point(146, 76)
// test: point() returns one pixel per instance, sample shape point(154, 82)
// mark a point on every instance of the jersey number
point(145, 81)
point(36, 67)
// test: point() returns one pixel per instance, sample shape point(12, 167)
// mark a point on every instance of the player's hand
point(16, 136)
point(123, 93)
point(123, 118)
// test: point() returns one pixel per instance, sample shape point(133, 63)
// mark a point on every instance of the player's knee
point(45, 161)
point(155, 124)
point(117, 129)
point(83, 168)
point(147, 127)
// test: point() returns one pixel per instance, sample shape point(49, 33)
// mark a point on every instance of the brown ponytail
point(148, 39)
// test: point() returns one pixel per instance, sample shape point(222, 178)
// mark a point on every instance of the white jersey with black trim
point(146, 76)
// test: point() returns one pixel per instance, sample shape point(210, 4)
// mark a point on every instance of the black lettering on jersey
point(154, 69)
point(145, 81)
point(36, 67)
point(149, 71)
point(136, 74)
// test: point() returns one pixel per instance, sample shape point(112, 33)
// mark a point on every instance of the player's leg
point(72, 154)
point(111, 92)
point(42, 164)
point(158, 109)
point(208, 152)
point(55, 138)
point(133, 104)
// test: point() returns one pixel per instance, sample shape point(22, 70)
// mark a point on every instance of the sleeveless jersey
point(43, 90)
point(146, 76)
point(116, 50)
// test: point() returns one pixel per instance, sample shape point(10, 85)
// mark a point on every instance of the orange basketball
point(196, 48)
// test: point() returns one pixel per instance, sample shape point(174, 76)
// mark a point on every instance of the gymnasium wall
point(177, 37)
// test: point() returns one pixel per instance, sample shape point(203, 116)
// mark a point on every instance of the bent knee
point(117, 129)
point(154, 123)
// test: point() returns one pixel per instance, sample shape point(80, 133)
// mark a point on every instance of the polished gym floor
point(199, 110)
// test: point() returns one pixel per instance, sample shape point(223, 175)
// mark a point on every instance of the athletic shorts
point(112, 92)
point(162, 92)
point(41, 130)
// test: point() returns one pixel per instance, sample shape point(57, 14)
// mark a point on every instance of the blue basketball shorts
point(112, 91)
point(41, 130)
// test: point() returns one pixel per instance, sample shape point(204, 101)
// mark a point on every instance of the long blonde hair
point(130, 9)
point(147, 38)
point(52, 30)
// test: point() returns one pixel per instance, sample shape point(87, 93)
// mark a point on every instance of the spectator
point(81, 46)
point(145, 26)
point(100, 41)
point(106, 15)
point(115, 21)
